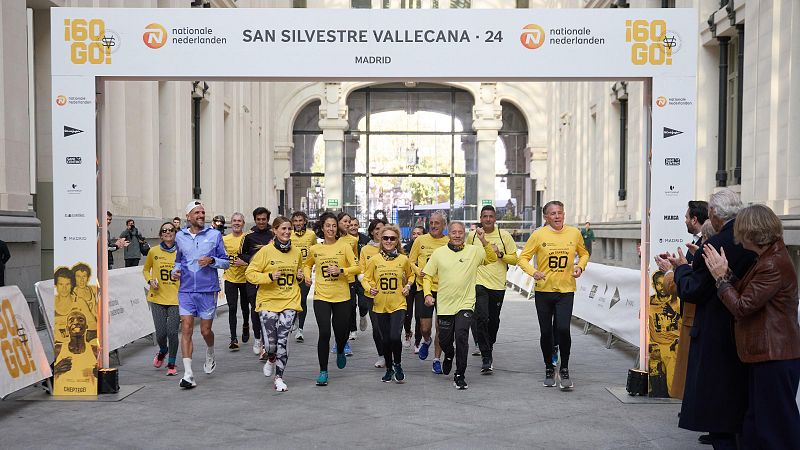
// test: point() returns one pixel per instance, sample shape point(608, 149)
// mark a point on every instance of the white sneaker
point(269, 368)
point(187, 382)
point(280, 386)
point(299, 335)
point(363, 323)
point(353, 335)
point(380, 364)
point(407, 342)
point(210, 364)
point(257, 346)
point(416, 349)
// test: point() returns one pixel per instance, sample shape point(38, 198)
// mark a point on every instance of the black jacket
point(254, 241)
point(715, 397)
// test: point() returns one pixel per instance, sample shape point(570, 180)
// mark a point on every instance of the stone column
point(487, 120)
point(333, 123)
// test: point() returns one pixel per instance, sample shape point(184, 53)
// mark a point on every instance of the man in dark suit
point(696, 215)
point(716, 385)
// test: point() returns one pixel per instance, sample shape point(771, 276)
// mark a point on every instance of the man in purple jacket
point(200, 253)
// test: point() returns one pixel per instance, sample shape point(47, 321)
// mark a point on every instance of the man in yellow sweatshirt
point(490, 287)
point(555, 246)
point(456, 267)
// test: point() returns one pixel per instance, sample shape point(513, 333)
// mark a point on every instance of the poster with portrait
point(664, 324)
point(75, 331)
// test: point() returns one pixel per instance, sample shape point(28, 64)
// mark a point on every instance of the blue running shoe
point(423, 350)
point(322, 379)
point(341, 360)
point(437, 367)
point(347, 350)
point(399, 376)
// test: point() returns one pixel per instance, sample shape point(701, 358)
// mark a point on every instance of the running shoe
point(158, 361)
point(341, 360)
point(549, 377)
point(437, 366)
point(380, 364)
point(245, 333)
point(486, 366)
point(447, 366)
point(407, 340)
point(234, 345)
point(171, 370)
point(299, 335)
point(322, 379)
point(476, 352)
point(280, 386)
point(555, 355)
point(416, 348)
point(388, 376)
point(210, 364)
point(423, 350)
point(459, 382)
point(269, 367)
point(257, 346)
point(347, 350)
point(353, 336)
point(564, 381)
point(399, 376)
point(187, 383)
point(263, 356)
point(362, 324)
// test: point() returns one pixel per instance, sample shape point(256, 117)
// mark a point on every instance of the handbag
point(144, 247)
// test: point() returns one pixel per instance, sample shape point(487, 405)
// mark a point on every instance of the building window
point(523, 4)
point(733, 136)
point(299, 4)
point(361, 4)
point(461, 4)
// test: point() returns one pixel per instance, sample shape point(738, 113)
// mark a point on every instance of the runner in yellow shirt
point(456, 267)
point(302, 238)
point(163, 296)
point(387, 279)
point(490, 289)
point(555, 246)
point(235, 281)
point(277, 271)
point(333, 261)
point(345, 236)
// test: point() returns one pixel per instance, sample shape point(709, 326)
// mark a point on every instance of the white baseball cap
point(192, 205)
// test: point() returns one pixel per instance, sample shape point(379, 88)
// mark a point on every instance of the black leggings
point(560, 305)
point(304, 304)
point(391, 326)
point(353, 325)
point(410, 314)
point(249, 309)
point(327, 314)
point(236, 293)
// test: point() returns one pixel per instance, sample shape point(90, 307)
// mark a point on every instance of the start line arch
point(90, 45)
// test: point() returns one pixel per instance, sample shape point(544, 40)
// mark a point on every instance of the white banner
point(24, 360)
point(129, 313)
point(361, 44)
point(607, 297)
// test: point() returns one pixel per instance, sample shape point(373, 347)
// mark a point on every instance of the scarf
point(455, 248)
point(300, 233)
point(283, 247)
point(389, 255)
point(169, 249)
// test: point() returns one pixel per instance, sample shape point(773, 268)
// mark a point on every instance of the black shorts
point(422, 310)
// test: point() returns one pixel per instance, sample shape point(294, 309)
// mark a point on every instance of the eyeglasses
point(167, 230)
point(390, 238)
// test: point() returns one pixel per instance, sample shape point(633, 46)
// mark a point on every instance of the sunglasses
point(167, 230)
point(389, 238)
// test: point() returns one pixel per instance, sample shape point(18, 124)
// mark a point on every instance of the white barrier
point(24, 361)
point(129, 313)
point(606, 297)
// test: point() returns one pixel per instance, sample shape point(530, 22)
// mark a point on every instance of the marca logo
point(74, 160)
point(69, 131)
point(14, 342)
point(672, 161)
point(669, 132)
point(661, 102)
point(91, 42)
point(533, 36)
point(650, 42)
point(155, 36)
point(670, 217)
point(61, 100)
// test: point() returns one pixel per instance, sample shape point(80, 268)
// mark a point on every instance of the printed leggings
point(275, 328)
point(167, 322)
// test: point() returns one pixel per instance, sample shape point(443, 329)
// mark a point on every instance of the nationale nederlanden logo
point(661, 101)
point(155, 36)
point(61, 100)
point(532, 37)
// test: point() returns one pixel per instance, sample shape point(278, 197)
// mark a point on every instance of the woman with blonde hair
point(764, 306)
point(387, 278)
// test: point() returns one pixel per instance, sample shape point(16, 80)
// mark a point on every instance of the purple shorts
point(197, 304)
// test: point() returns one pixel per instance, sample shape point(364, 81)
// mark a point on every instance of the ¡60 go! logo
point(89, 41)
point(14, 343)
point(651, 42)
